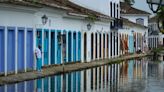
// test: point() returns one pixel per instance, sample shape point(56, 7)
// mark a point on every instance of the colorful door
point(11, 50)
point(59, 47)
point(85, 46)
point(79, 46)
point(2, 50)
point(46, 42)
point(20, 49)
point(29, 49)
point(21, 87)
point(52, 47)
point(92, 45)
point(131, 44)
point(38, 40)
point(74, 47)
point(69, 47)
point(64, 49)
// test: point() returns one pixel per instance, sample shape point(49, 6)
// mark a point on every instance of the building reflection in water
point(108, 78)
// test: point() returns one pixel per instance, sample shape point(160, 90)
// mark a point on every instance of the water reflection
point(130, 76)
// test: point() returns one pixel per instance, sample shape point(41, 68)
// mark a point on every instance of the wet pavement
point(52, 70)
point(137, 75)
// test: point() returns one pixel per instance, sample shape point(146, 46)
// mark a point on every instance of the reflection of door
point(52, 47)
point(163, 41)
point(69, 47)
point(21, 50)
point(111, 44)
point(85, 46)
point(11, 50)
point(46, 48)
point(92, 48)
point(1, 50)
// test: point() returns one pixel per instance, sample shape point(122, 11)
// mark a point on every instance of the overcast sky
point(141, 4)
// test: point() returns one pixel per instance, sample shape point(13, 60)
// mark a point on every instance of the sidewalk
point(60, 69)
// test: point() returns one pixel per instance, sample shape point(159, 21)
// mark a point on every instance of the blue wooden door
point(79, 46)
point(46, 86)
point(30, 86)
point(2, 50)
point(59, 47)
point(74, 47)
point(29, 49)
point(69, 47)
point(46, 47)
point(52, 47)
point(11, 50)
point(39, 84)
point(58, 83)
point(131, 44)
point(20, 50)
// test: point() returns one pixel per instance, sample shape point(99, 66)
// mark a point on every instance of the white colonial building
point(68, 31)
point(134, 34)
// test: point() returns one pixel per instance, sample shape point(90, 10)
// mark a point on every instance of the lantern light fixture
point(44, 19)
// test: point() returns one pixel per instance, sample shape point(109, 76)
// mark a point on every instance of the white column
point(16, 51)
point(105, 45)
point(34, 46)
point(5, 45)
point(102, 45)
point(49, 47)
point(113, 40)
point(109, 45)
point(25, 58)
point(82, 46)
point(98, 44)
point(88, 46)
point(94, 43)
point(118, 44)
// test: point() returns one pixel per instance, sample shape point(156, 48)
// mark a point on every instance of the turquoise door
point(38, 39)
point(58, 83)
point(46, 42)
point(52, 47)
point(59, 47)
point(69, 47)
point(46, 85)
point(1, 50)
point(74, 47)
point(131, 44)
point(79, 46)
point(11, 50)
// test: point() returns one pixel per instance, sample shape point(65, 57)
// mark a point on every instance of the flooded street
point(139, 75)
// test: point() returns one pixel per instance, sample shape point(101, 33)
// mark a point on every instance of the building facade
point(66, 32)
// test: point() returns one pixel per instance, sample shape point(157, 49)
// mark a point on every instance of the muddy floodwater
point(138, 75)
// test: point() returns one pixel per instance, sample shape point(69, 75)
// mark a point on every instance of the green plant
point(92, 18)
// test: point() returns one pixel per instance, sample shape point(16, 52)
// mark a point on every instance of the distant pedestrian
point(38, 54)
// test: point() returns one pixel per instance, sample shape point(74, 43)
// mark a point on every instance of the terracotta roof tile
point(127, 9)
